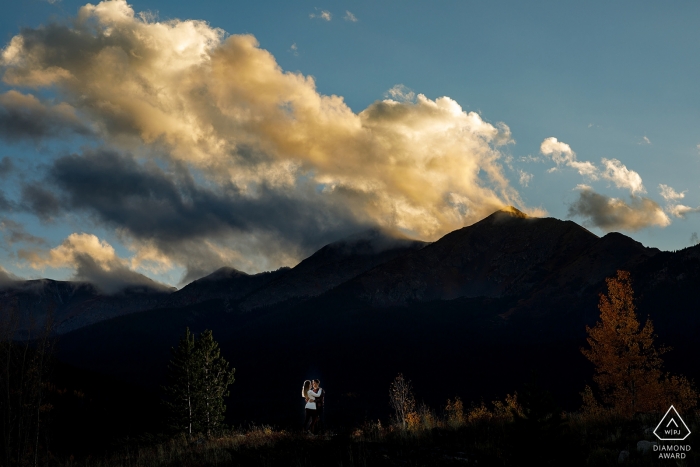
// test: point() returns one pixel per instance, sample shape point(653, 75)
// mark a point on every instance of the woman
point(310, 396)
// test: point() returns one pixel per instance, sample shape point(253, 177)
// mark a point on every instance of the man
point(318, 425)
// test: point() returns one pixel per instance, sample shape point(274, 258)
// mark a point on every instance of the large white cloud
point(223, 107)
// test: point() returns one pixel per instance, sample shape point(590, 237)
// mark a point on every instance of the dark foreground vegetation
point(481, 437)
point(53, 418)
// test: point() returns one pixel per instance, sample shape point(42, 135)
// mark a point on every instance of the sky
point(153, 142)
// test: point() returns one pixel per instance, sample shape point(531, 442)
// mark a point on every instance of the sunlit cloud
point(350, 17)
point(209, 133)
point(324, 15)
point(616, 172)
point(613, 170)
point(672, 196)
point(524, 177)
point(645, 140)
point(669, 194)
point(23, 116)
point(562, 154)
point(92, 260)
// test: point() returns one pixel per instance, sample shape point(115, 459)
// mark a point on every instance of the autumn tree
point(403, 401)
point(628, 365)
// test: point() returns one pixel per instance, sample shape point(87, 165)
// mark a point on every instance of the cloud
point(562, 154)
point(525, 177)
point(13, 232)
point(40, 201)
point(244, 142)
point(294, 49)
point(645, 140)
point(350, 17)
point(613, 170)
point(400, 93)
point(324, 15)
point(611, 214)
point(669, 194)
point(23, 116)
point(196, 226)
point(679, 210)
point(93, 260)
point(621, 176)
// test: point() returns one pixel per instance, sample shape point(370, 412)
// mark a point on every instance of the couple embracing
point(314, 396)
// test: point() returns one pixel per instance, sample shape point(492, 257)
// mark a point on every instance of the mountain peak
point(510, 211)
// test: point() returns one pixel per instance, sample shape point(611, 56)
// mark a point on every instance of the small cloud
point(645, 140)
point(350, 17)
point(590, 125)
point(529, 158)
point(611, 214)
point(698, 146)
point(525, 177)
point(669, 194)
point(622, 177)
point(324, 15)
point(294, 49)
point(561, 153)
point(694, 240)
point(679, 210)
point(401, 93)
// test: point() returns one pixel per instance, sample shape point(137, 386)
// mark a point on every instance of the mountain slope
point(332, 265)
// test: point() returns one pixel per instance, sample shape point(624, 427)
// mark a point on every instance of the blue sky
point(611, 81)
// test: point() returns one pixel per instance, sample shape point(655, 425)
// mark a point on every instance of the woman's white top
point(312, 397)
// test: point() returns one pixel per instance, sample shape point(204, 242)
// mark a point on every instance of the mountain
point(70, 305)
point(332, 265)
point(226, 284)
point(472, 314)
point(73, 304)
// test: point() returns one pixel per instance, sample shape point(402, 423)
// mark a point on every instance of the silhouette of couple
point(314, 396)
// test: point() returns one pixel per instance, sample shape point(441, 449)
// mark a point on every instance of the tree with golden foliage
point(628, 366)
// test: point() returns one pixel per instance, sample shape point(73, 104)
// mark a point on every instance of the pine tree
point(628, 366)
point(180, 392)
point(213, 381)
point(198, 381)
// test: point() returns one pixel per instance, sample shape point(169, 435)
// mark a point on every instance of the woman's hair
point(305, 389)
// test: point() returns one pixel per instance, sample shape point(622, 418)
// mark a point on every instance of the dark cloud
point(6, 166)
point(14, 232)
point(40, 201)
point(615, 214)
point(23, 116)
point(170, 209)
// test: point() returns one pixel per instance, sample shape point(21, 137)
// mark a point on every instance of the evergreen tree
point(198, 381)
point(214, 378)
point(180, 391)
